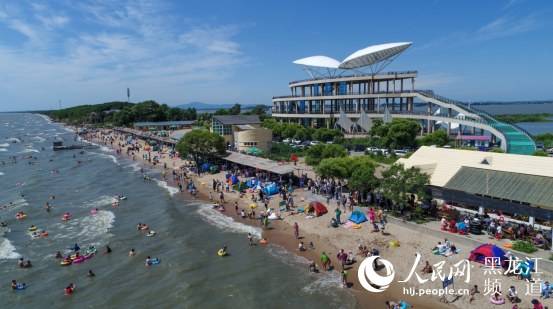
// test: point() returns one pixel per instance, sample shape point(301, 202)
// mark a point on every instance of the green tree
point(316, 153)
point(200, 146)
point(400, 133)
point(438, 138)
point(259, 110)
point(326, 135)
point(540, 153)
point(235, 109)
point(398, 183)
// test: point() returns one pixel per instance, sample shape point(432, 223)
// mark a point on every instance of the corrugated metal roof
point(446, 163)
point(532, 189)
point(260, 163)
point(237, 119)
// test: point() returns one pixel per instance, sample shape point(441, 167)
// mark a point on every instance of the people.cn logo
point(372, 281)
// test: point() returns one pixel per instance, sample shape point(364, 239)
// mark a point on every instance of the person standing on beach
point(296, 230)
point(345, 278)
point(338, 213)
point(250, 239)
point(325, 260)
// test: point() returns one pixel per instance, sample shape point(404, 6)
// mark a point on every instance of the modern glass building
point(351, 93)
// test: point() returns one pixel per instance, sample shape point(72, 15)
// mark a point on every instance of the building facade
point(350, 94)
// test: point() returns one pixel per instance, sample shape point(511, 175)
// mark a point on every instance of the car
point(295, 141)
point(330, 142)
point(400, 153)
point(373, 149)
point(286, 141)
point(447, 146)
point(313, 143)
point(306, 143)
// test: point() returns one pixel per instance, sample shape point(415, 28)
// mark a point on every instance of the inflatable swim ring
point(263, 241)
point(356, 226)
point(221, 252)
point(404, 305)
point(500, 301)
point(33, 228)
point(508, 245)
point(154, 261)
point(151, 233)
point(93, 212)
point(20, 216)
point(20, 286)
point(66, 262)
point(66, 218)
point(122, 198)
point(44, 234)
point(35, 235)
point(91, 250)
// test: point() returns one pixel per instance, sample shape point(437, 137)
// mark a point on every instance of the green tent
point(254, 151)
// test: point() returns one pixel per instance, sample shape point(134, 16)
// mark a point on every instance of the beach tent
point(204, 167)
point(271, 189)
point(317, 207)
point(251, 183)
point(254, 151)
point(486, 251)
point(357, 217)
point(233, 179)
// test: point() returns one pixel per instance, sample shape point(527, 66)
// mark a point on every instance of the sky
point(174, 52)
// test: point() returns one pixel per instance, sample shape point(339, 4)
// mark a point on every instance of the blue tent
point(234, 179)
point(271, 189)
point(357, 217)
point(204, 167)
point(251, 183)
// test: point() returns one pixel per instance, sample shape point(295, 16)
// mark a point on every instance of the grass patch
point(524, 246)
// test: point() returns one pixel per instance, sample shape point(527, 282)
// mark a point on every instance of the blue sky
point(90, 51)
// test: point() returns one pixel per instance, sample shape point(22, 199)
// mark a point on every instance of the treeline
point(541, 117)
point(121, 113)
point(125, 114)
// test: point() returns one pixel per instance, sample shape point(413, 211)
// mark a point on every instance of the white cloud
point(507, 26)
point(213, 39)
point(53, 21)
point(124, 45)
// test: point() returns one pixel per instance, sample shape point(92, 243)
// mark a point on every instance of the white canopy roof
point(373, 54)
point(319, 61)
point(361, 58)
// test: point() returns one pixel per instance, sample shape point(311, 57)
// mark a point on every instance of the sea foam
point(163, 184)
point(7, 250)
point(225, 223)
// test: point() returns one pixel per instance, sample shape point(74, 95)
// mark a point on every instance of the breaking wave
point(163, 184)
point(7, 250)
point(90, 229)
point(225, 223)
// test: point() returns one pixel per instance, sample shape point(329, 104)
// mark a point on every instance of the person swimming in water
point(90, 273)
point(148, 261)
point(132, 252)
point(59, 255)
point(70, 289)
point(76, 247)
point(108, 249)
point(14, 285)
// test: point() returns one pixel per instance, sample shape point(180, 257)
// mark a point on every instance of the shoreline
point(280, 233)
point(332, 240)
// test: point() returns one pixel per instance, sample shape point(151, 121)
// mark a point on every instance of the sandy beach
point(331, 240)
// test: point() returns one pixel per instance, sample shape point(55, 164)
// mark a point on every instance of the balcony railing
point(342, 94)
point(360, 75)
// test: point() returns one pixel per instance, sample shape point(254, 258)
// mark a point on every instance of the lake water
point(189, 233)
